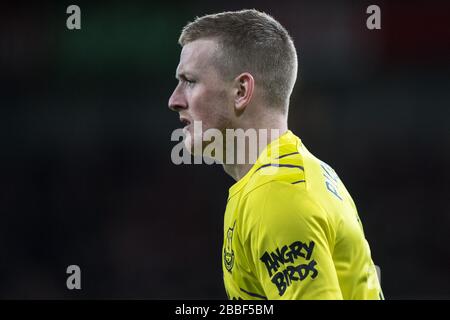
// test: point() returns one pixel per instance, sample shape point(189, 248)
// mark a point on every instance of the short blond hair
point(250, 41)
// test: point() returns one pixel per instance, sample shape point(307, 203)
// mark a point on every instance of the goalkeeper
point(291, 229)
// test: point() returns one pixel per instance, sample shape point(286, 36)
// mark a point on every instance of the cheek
point(211, 106)
point(217, 113)
point(206, 103)
point(223, 108)
point(198, 101)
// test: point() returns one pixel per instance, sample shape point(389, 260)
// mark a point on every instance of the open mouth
point(185, 122)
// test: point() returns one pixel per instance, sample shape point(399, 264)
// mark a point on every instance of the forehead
point(197, 55)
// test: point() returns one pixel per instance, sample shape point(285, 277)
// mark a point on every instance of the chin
point(189, 145)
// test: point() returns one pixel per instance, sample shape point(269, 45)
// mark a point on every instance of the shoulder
point(287, 169)
point(282, 207)
point(282, 196)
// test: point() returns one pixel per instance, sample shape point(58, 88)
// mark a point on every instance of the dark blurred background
point(85, 170)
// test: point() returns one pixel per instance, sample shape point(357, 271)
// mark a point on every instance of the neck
point(236, 170)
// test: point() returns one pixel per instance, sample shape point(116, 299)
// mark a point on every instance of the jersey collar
point(283, 144)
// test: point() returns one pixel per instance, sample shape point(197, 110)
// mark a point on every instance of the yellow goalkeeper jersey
point(292, 231)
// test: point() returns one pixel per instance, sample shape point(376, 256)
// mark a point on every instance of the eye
point(188, 82)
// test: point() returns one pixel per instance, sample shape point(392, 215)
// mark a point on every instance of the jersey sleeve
point(290, 242)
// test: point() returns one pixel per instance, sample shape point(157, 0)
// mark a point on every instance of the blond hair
point(250, 41)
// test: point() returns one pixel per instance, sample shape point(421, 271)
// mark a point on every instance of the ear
point(245, 85)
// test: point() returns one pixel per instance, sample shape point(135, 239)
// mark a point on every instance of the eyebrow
point(183, 75)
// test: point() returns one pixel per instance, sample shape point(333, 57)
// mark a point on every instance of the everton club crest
point(228, 253)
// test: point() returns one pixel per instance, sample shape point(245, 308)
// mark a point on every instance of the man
point(289, 233)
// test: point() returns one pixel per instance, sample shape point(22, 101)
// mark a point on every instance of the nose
point(177, 100)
